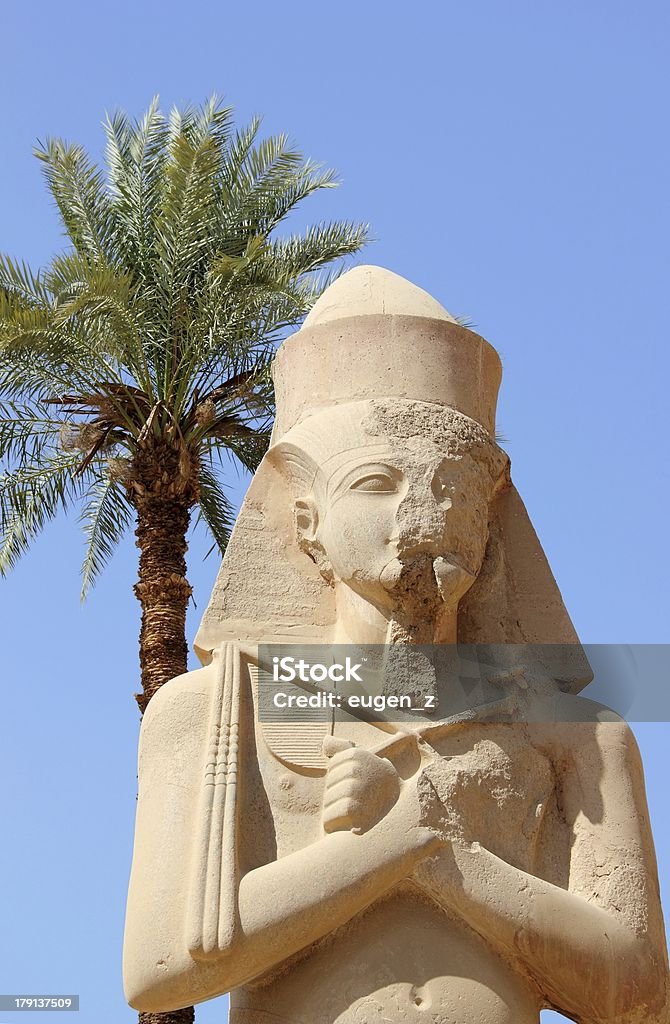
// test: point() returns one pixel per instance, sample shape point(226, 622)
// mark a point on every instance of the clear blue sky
point(512, 160)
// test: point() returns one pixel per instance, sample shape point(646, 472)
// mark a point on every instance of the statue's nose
point(421, 523)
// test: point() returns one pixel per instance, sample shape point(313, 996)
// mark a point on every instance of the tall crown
point(374, 334)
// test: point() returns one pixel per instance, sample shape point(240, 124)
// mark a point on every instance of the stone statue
point(468, 865)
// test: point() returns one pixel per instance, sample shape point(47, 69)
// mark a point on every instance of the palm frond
point(247, 450)
point(78, 188)
point(136, 159)
point(31, 497)
point(22, 323)
point(188, 194)
point(19, 283)
point(104, 299)
point(236, 154)
point(182, 239)
point(215, 508)
point(214, 121)
point(322, 244)
point(106, 516)
point(277, 203)
point(25, 432)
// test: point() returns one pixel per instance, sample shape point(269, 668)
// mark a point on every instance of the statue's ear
point(306, 521)
point(500, 473)
point(306, 517)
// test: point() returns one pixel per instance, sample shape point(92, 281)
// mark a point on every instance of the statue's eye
point(378, 482)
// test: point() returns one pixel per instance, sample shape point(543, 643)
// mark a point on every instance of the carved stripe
point(212, 902)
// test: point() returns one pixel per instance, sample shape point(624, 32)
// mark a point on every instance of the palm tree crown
point(139, 356)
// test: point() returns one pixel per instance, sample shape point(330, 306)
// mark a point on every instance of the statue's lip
point(437, 564)
point(410, 555)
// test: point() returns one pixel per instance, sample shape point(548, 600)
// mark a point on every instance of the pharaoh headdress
point(374, 335)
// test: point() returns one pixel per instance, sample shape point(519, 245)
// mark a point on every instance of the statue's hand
point(361, 787)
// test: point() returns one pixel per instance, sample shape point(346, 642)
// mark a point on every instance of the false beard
point(424, 590)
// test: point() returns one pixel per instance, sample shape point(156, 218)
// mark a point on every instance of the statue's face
point(392, 506)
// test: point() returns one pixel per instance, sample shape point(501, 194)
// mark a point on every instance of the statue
point(471, 863)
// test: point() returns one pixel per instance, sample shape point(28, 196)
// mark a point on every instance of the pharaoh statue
point(472, 864)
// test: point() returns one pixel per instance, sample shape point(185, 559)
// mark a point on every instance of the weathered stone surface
point(465, 866)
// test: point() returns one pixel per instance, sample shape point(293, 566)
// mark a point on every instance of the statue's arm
point(281, 907)
point(597, 949)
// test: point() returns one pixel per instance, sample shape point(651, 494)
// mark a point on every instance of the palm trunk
point(163, 591)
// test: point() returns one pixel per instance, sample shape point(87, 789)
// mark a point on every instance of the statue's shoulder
point(174, 732)
point(569, 722)
point(572, 708)
point(182, 698)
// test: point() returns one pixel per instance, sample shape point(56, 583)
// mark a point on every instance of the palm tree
point(135, 363)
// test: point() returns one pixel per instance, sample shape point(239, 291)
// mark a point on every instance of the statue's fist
point(360, 788)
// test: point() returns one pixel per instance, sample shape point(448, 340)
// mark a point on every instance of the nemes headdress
point(374, 340)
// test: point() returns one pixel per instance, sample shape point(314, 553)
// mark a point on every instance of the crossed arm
point(282, 906)
point(591, 960)
point(596, 950)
